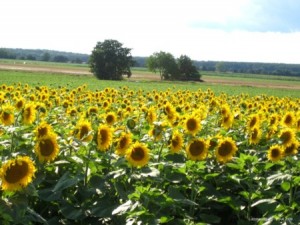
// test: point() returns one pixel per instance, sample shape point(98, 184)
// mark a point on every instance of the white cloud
point(204, 30)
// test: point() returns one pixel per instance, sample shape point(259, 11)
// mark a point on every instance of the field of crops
point(114, 154)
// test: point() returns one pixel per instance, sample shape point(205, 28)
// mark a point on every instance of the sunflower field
point(121, 156)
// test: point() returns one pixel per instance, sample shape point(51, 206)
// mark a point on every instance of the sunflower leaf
point(65, 181)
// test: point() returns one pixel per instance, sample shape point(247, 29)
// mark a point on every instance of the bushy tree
point(187, 69)
point(171, 69)
point(109, 60)
point(164, 63)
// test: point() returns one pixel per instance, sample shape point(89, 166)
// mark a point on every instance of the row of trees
point(43, 55)
point(110, 61)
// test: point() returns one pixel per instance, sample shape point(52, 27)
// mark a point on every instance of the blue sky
point(226, 30)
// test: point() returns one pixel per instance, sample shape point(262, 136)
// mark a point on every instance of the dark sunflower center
point(286, 137)
point(28, 112)
point(288, 119)
point(289, 150)
point(226, 119)
point(46, 147)
point(84, 130)
point(42, 131)
point(225, 149)
point(123, 142)
point(191, 124)
point(196, 148)
point(104, 136)
point(275, 153)
point(19, 104)
point(6, 116)
point(273, 120)
point(16, 172)
point(137, 154)
point(254, 134)
point(253, 122)
point(109, 119)
point(175, 142)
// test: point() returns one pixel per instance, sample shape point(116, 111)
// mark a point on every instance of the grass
point(9, 77)
point(255, 77)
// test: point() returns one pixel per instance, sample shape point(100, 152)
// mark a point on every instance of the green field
point(246, 83)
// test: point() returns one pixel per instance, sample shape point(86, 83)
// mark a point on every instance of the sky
point(218, 30)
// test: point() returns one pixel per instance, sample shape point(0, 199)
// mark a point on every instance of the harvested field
point(138, 76)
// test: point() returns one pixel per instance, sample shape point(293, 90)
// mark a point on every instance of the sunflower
point(298, 124)
point(253, 121)
point(20, 103)
point(287, 136)
point(7, 115)
point(104, 137)
point(176, 142)
point(255, 135)
point(72, 111)
point(17, 173)
point(138, 155)
point(292, 149)
point(83, 131)
point(227, 120)
point(151, 115)
point(197, 149)
point(273, 119)
point(110, 118)
point(288, 119)
point(47, 148)
point(29, 113)
point(43, 129)
point(123, 143)
point(225, 110)
point(131, 124)
point(93, 110)
point(192, 124)
point(275, 153)
point(225, 150)
point(157, 131)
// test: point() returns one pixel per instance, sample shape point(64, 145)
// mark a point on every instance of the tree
point(109, 60)
point(46, 56)
point(60, 58)
point(165, 64)
point(187, 69)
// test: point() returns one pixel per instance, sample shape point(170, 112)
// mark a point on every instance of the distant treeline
point(231, 67)
point(240, 67)
point(43, 55)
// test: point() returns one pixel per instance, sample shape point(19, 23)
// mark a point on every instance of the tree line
point(43, 55)
point(239, 67)
point(138, 61)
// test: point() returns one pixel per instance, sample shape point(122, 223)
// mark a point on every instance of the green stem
point(250, 193)
point(193, 193)
point(87, 167)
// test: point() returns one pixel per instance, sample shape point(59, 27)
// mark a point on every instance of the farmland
point(76, 150)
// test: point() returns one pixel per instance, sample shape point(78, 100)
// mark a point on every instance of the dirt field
point(136, 76)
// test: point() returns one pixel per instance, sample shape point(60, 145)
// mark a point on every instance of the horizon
point(206, 30)
point(148, 56)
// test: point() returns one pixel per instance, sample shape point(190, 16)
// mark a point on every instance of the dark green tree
point(109, 60)
point(46, 56)
point(187, 70)
point(165, 64)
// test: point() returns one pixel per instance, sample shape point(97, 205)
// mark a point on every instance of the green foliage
point(87, 186)
point(42, 55)
point(171, 69)
point(109, 60)
point(69, 81)
point(187, 70)
point(165, 64)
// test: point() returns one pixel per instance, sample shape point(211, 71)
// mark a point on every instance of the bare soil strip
point(151, 77)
